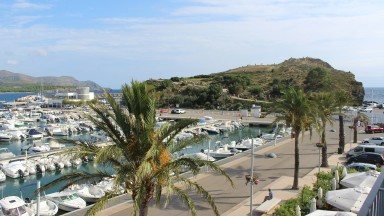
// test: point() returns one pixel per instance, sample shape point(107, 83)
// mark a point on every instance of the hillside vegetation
point(256, 84)
point(10, 81)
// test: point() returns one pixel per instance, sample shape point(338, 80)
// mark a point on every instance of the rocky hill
point(300, 72)
point(8, 78)
point(258, 83)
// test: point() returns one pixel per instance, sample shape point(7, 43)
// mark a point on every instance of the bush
point(287, 208)
point(304, 201)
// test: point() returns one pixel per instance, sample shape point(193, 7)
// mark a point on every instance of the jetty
point(221, 115)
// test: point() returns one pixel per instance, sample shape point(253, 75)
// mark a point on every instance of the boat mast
point(372, 104)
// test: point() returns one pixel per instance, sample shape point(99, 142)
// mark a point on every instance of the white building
point(82, 93)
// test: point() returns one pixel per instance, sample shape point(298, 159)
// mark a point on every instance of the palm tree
point(141, 156)
point(325, 106)
point(297, 111)
point(362, 118)
point(341, 99)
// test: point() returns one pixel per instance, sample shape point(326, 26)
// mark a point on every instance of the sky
point(115, 42)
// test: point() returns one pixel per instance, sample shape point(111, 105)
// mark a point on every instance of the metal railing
point(374, 204)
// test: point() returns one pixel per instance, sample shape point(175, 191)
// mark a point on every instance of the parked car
point(374, 140)
point(365, 148)
point(178, 111)
point(361, 167)
point(163, 110)
point(368, 157)
point(374, 129)
point(366, 109)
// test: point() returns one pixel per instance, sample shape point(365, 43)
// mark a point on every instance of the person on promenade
point(270, 195)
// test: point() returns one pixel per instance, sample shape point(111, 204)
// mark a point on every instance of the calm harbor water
point(375, 94)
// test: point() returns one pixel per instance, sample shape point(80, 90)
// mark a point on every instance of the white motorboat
point(36, 161)
point(40, 147)
point(5, 137)
point(47, 163)
point(14, 206)
point(55, 145)
point(200, 156)
point(2, 176)
point(221, 152)
point(66, 161)
point(212, 130)
point(108, 185)
point(90, 193)
point(5, 153)
point(46, 207)
point(246, 144)
point(17, 134)
point(56, 161)
point(34, 134)
point(15, 168)
point(57, 130)
point(67, 200)
point(271, 136)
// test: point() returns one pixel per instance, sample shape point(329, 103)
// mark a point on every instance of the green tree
point(175, 79)
point(297, 113)
point(214, 92)
point(317, 80)
point(141, 156)
point(324, 104)
point(164, 84)
point(236, 89)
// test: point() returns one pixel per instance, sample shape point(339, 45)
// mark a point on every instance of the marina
point(33, 138)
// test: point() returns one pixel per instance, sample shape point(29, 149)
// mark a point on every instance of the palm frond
point(202, 192)
point(75, 178)
point(100, 204)
point(187, 200)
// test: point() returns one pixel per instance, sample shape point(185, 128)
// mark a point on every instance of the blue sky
point(113, 42)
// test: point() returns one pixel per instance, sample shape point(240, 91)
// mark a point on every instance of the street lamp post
point(251, 200)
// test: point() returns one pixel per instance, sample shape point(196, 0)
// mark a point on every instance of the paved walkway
point(282, 187)
point(276, 174)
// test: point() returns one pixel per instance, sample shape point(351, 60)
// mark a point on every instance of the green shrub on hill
point(255, 83)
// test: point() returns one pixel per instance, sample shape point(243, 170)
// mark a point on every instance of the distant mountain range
point(8, 78)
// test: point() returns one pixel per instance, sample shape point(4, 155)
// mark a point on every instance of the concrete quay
point(274, 173)
point(221, 115)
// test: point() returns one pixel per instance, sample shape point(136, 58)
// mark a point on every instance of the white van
point(365, 148)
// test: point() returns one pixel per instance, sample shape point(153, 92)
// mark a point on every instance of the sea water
point(374, 94)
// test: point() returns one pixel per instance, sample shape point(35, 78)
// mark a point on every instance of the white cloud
point(25, 5)
point(12, 62)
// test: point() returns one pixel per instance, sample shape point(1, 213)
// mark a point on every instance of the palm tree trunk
point(324, 161)
point(297, 162)
point(341, 133)
point(143, 209)
point(354, 131)
point(143, 206)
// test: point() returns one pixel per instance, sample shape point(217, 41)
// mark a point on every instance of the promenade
point(274, 173)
